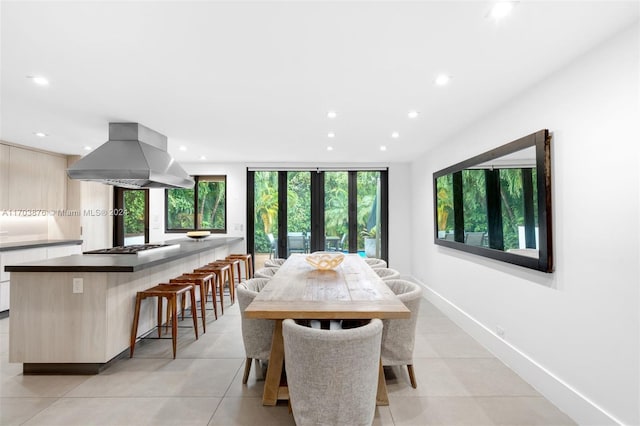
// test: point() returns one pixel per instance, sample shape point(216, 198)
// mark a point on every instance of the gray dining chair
point(375, 262)
point(332, 374)
point(274, 263)
point(398, 336)
point(387, 273)
point(256, 333)
point(265, 273)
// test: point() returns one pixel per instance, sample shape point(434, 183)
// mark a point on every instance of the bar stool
point(195, 281)
point(231, 275)
point(209, 279)
point(170, 292)
point(248, 263)
point(222, 272)
point(233, 262)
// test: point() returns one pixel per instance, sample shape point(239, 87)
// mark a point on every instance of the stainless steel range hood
point(133, 157)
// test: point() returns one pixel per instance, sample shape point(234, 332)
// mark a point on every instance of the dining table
point(350, 291)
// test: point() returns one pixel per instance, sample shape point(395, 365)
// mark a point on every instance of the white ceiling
point(253, 81)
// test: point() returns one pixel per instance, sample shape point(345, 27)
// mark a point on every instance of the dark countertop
point(123, 262)
point(21, 245)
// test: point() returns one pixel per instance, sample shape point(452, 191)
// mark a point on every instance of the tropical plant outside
point(299, 204)
point(211, 206)
point(134, 208)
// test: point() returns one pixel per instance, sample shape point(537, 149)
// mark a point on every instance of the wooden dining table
point(299, 291)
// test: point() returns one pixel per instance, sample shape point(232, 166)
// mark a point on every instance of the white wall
point(573, 334)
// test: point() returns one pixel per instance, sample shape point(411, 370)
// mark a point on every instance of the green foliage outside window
point(134, 207)
point(183, 213)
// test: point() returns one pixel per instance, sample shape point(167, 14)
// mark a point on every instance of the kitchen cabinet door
point(4, 177)
point(26, 175)
point(5, 295)
point(55, 182)
point(36, 180)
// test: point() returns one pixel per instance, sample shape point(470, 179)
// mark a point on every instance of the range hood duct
point(134, 157)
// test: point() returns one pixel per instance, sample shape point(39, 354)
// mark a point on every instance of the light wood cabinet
point(36, 180)
point(26, 177)
point(55, 182)
point(4, 177)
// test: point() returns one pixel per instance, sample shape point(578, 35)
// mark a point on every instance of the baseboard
point(561, 394)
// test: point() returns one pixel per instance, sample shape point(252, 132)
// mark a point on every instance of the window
point(202, 208)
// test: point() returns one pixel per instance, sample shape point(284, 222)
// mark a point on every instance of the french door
point(302, 211)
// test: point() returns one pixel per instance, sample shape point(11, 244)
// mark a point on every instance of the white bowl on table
point(197, 235)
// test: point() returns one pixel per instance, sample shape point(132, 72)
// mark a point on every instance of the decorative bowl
point(325, 260)
point(198, 234)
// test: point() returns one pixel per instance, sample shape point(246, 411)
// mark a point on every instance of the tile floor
point(459, 383)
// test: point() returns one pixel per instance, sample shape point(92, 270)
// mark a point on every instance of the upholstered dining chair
point(387, 273)
point(274, 263)
point(256, 333)
point(265, 272)
point(332, 374)
point(375, 262)
point(399, 335)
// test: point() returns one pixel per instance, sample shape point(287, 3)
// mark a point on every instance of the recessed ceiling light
point(87, 148)
point(395, 135)
point(40, 134)
point(183, 148)
point(332, 114)
point(41, 81)
point(442, 80)
point(202, 157)
point(413, 114)
point(501, 9)
point(383, 148)
point(331, 135)
point(329, 148)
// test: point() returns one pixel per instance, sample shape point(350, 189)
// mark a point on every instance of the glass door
point(336, 211)
point(306, 211)
point(368, 212)
point(298, 224)
point(265, 217)
point(132, 226)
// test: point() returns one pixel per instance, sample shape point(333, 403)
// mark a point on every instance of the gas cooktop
point(134, 249)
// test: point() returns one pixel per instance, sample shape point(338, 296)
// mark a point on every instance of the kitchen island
point(72, 315)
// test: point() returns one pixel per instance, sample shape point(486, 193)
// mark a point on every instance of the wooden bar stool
point(248, 263)
point(222, 273)
point(233, 262)
point(231, 276)
point(170, 292)
point(209, 279)
point(195, 282)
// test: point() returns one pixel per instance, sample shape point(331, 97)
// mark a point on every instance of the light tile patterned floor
point(459, 383)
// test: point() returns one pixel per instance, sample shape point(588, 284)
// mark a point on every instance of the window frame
point(198, 179)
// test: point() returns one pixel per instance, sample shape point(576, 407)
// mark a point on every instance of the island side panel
point(121, 291)
point(51, 324)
